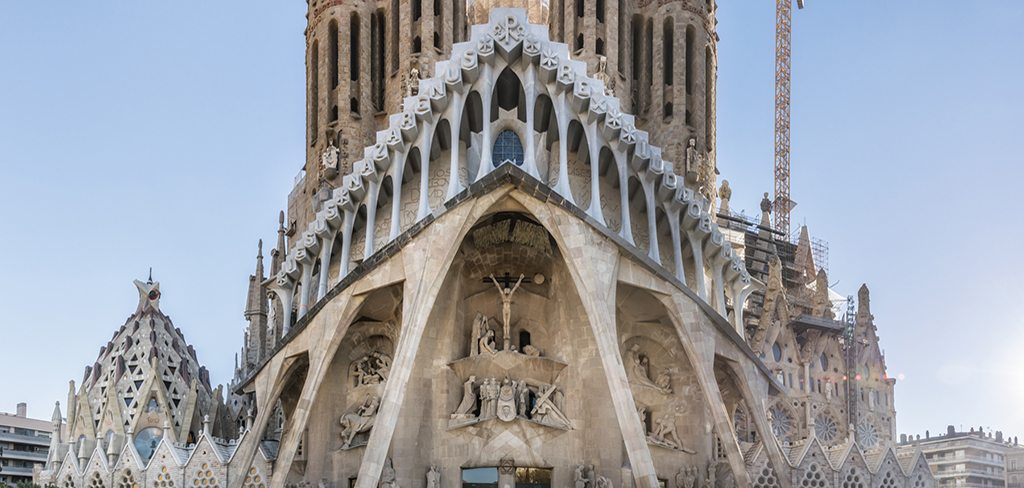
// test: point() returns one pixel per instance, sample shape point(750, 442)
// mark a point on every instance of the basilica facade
point(508, 261)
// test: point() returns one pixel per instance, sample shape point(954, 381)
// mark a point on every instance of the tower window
point(600, 10)
point(417, 10)
point(580, 9)
point(354, 47)
point(314, 92)
point(332, 48)
point(507, 147)
point(777, 352)
point(393, 13)
point(668, 38)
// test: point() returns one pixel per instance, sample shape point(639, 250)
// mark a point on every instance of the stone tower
point(145, 386)
point(363, 57)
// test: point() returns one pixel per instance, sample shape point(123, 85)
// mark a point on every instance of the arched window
point(600, 10)
point(332, 48)
point(507, 147)
point(777, 352)
point(146, 441)
point(823, 360)
point(314, 92)
point(668, 37)
point(354, 50)
point(599, 46)
point(649, 59)
point(579, 42)
point(377, 58)
point(393, 14)
point(622, 35)
point(437, 40)
point(417, 45)
point(690, 40)
point(417, 10)
point(709, 100)
point(580, 10)
point(354, 54)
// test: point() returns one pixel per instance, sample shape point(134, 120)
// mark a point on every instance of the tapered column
point(425, 269)
point(455, 123)
point(530, 90)
point(426, 140)
point(341, 310)
point(562, 116)
point(594, 143)
point(486, 85)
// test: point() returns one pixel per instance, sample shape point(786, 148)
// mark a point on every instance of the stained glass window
point(507, 147)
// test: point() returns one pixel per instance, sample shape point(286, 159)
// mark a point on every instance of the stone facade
point(492, 273)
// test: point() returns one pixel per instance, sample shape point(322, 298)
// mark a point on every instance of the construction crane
point(783, 204)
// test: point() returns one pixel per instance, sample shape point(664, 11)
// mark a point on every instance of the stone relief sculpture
point(546, 410)
point(724, 195)
point(478, 327)
point(531, 350)
point(487, 343)
point(434, 477)
point(580, 478)
point(388, 478)
point(488, 398)
point(360, 421)
point(468, 404)
point(329, 162)
point(604, 482)
point(508, 400)
point(686, 477)
point(639, 369)
point(664, 434)
point(371, 369)
point(506, 307)
point(506, 407)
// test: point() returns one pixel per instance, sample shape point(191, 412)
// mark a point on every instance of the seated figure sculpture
point(360, 421)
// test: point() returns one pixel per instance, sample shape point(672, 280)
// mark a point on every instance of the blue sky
point(168, 134)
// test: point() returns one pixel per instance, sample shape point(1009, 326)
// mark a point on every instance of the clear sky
point(168, 134)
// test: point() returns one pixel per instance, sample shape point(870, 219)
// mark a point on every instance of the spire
point(57, 418)
point(864, 306)
point(278, 253)
point(149, 295)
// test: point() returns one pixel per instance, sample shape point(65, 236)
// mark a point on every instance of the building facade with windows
point(973, 459)
point(1015, 467)
point(507, 261)
point(23, 445)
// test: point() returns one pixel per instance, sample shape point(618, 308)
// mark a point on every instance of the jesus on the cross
point(506, 305)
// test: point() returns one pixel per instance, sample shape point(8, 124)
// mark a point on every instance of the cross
point(507, 280)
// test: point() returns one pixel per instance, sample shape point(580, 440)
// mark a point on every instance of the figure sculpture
point(434, 477)
point(329, 161)
point(478, 327)
point(506, 308)
point(388, 478)
point(531, 350)
point(468, 403)
point(639, 366)
point(692, 163)
point(664, 433)
point(664, 380)
point(488, 398)
point(580, 479)
point(546, 410)
point(724, 195)
point(506, 405)
point(604, 482)
point(524, 398)
point(359, 421)
point(487, 343)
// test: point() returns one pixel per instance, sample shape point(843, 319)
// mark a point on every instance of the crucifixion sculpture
point(506, 289)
